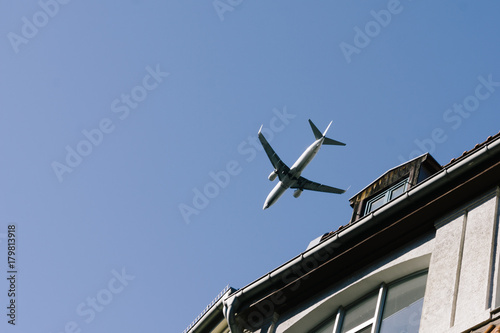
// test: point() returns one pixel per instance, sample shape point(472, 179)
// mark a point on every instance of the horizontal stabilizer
point(329, 141)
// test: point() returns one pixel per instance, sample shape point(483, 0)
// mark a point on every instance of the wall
point(462, 284)
point(413, 258)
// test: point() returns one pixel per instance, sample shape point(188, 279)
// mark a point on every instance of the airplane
point(291, 177)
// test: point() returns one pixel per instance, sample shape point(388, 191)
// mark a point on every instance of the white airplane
point(290, 177)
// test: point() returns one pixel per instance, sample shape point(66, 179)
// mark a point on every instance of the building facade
point(420, 254)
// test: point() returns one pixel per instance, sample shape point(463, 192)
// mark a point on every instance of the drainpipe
point(229, 310)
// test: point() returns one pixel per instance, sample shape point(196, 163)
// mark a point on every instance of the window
point(386, 196)
point(359, 317)
point(392, 308)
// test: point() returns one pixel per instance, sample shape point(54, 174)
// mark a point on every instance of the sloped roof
point(389, 172)
point(212, 312)
point(414, 171)
point(476, 147)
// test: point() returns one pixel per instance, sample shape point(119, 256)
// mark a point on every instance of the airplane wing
point(305, 184)
point(281, 168)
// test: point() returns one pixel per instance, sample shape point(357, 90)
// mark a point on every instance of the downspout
point(230, 305)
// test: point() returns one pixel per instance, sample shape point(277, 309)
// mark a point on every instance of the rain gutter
point(205, 319)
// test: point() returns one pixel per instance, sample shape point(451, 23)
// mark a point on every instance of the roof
point(211, 307)
point(388, 172)
point(413, 171)
point(476, 147)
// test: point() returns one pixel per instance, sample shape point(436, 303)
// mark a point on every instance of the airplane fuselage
point(292, 177)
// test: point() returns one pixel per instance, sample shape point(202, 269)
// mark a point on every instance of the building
point(420, 254)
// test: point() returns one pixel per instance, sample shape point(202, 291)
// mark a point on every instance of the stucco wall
point(412, 258)
point(461, 284)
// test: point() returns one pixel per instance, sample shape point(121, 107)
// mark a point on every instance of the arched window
point(392, 308)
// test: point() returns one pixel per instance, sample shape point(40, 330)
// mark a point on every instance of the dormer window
point(392, 184)
point(386, 196)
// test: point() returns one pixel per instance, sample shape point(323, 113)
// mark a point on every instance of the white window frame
point(377, 315)
point(376, 320)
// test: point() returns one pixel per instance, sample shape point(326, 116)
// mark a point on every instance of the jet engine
point(297, 193)
point(272, 176)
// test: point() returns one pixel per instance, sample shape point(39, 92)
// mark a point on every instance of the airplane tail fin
point(318, 135)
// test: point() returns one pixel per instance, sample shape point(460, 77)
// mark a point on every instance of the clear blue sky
point(114, 114)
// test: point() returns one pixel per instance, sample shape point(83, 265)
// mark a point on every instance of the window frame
point(376, 320)
point(387, 195)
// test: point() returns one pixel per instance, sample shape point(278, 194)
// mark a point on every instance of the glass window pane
point(328, 328)
point(359, 313)
point(376, 203)
point(403, 306)
point(398, 191)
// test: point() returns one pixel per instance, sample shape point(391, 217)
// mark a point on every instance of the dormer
point(392, 184)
